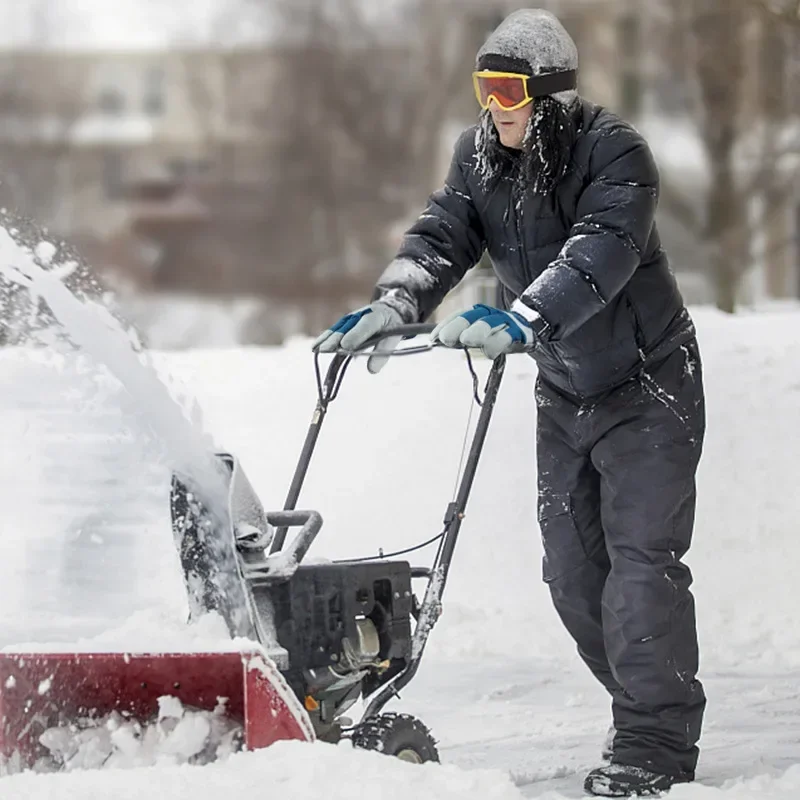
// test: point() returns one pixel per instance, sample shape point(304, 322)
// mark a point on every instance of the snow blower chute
point(319, 637)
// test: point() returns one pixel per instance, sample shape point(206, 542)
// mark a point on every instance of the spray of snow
point(100, 335)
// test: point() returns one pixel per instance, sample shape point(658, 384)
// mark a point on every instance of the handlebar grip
point(405, 331)
point(412, 329)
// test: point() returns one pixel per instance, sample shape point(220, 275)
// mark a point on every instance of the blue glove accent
point(355, 329)
point(494, 331)
point(349, 321)
point(330, 339)
point(494, 317)
point(477, 312)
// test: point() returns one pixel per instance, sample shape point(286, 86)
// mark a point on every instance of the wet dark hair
point(546, 149)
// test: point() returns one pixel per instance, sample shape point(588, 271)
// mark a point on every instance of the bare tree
point(720, 72)
point(359, 108)
point(744, 127)
point(364, 141)
point(787, 10)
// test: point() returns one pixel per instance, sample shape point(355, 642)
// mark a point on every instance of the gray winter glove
point(354, 330)
point(494, 331)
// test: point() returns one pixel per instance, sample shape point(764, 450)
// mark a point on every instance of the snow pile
point(287, 770)
point(177, 736)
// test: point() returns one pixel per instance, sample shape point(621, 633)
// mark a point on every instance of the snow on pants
point(616, 512)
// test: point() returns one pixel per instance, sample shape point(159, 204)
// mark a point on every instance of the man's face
point(511, 125)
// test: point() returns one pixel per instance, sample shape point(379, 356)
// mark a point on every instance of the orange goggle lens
point(509, 91)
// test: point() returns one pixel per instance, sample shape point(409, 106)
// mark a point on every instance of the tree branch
point(785, 10)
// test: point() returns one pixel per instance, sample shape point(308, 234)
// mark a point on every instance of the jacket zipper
point(523, 259)
point(515, 210)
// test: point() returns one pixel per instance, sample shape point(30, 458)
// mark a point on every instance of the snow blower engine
point(316, 637)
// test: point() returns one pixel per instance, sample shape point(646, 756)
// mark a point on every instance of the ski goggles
point(512, 90)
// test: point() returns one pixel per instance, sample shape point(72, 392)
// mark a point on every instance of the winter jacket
point(587, 257)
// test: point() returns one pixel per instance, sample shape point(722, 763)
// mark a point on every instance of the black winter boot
point(623, 780)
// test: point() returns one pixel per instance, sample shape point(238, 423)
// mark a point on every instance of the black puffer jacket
point(587, 257)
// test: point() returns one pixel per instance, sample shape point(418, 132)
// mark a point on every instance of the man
point(562, 194)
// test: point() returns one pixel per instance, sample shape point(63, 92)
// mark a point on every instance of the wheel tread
point(381, 734)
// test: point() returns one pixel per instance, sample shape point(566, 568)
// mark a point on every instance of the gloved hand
point(494, 331)
point(354, 330)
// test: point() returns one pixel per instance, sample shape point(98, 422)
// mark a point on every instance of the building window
point(111, 101)
point(187, 168)
point(154, 101)
point(113, 174)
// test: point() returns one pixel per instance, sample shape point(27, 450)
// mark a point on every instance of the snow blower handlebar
point(429, 610)
point(431, 607)
point(327, 391)
point(406, 332)
point(290, 557)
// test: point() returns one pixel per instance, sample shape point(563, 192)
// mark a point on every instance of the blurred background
point(240, 171)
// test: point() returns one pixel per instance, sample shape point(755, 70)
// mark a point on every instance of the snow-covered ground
point(85, 547)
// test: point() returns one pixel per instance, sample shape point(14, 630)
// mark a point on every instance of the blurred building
point(161, 167)
point(97, 144)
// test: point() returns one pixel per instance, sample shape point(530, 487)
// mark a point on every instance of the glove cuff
point(537, 322)
point(396, 302)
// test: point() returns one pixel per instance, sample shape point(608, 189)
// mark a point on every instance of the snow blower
point(316, 637)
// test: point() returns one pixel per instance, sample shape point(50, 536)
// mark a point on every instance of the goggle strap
point(552, 83)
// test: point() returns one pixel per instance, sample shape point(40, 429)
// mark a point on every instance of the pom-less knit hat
point(531, 41)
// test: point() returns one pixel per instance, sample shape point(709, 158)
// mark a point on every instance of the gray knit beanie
point(533, 39)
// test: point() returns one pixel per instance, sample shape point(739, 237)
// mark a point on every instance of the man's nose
point(497, 110)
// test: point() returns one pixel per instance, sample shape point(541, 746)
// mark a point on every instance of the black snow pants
point(616, 512)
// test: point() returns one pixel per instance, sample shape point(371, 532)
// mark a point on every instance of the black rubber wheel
point(399, 735)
